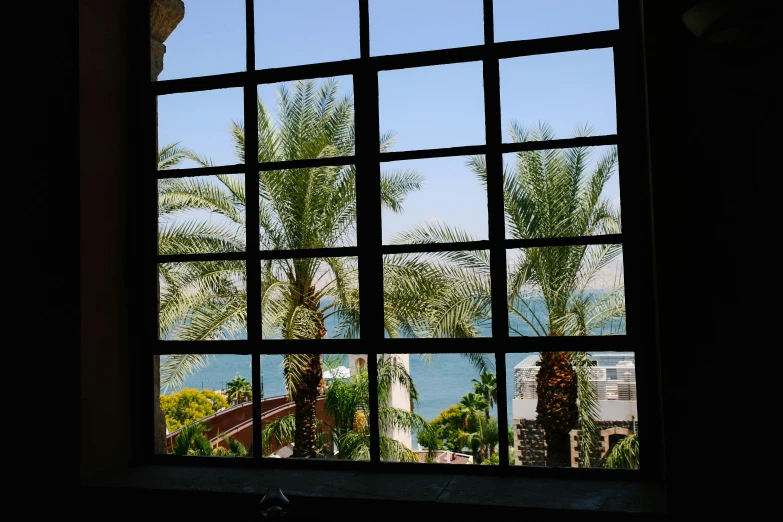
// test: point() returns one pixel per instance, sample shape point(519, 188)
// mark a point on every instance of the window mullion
point(252, 241)
point(368, 215)
point(496, 226)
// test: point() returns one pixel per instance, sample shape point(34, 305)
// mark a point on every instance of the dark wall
point(105, 165)
point(710, 115)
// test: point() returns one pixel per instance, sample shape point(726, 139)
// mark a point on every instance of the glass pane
point(200, 129)
point(206, 403)
point(203, 300)
point(405, 26)
point(432, 107)
point(580, 198)
point(437, 200)
point(526, 19)
point(557, 96)
point(310, 298)
point(206, 38)
point(566, 290)
point(300, 32)
point(306, 119)
point(201, 215)
point(438, 408)
point(559, 436)
point(445, 294)
point(316, 406)
point(308, 208)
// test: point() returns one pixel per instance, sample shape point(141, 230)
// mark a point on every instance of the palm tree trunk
point(305, 398)
point(557, 391)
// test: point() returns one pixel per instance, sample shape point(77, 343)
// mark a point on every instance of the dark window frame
point(631, 140)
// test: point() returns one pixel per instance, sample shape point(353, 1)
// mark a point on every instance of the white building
point(400, 397)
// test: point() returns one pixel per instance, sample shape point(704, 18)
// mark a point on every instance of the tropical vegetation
point(191, 440)
point(239, 390)
point(467, 426)
point(487, 387)
point(551, 290)
point(190, 405)
point(299, 209)
point(345, 430)
point(624, 454)
point(547, 193)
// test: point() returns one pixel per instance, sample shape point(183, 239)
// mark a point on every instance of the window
point(530, 280)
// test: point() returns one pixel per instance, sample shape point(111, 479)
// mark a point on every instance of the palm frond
point(280, 431)
point(175, 368)
point(624, 454)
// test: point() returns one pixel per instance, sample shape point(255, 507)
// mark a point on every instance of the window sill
point(450, 492)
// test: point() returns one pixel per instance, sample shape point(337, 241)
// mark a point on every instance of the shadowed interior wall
point(104, 151)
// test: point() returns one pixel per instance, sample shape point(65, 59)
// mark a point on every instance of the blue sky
point(426, 107)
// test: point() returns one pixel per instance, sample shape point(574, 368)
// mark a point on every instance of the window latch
point(274, 504)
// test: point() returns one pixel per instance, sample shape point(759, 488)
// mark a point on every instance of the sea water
point(441, 380)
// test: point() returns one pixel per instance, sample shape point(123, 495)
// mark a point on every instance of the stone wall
point(530, 441)
point(529, 445)
point(165, 15)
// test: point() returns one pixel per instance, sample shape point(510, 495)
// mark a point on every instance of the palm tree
point(487, 387)
point(482, 437)
point(239, 390)
point(547, 193)
point(299, 208)
point(470, 404)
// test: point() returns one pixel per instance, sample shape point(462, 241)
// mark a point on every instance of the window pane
point(438, 200)
point(315, 407)
point(206, 38)
point(201, 215)
point(558, 436)
point(308, 208)
point(405, 26)
point(526, 19)
point(306, 119)
point(438, 408)
point(445, 294)
point(557, 96)
point(432, 107)
point(206, 402)
point(310, 298)
point(566, 290)
point(204, 300)
point(580, 198)
point(200, 129)
point(300, 32)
